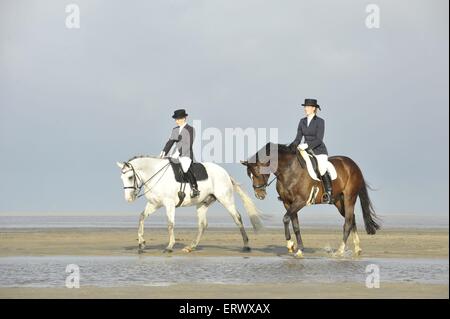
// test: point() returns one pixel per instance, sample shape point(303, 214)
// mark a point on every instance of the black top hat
point(179, 114)
point(311, 102)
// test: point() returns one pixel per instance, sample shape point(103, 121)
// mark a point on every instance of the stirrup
point(327, 199)
point(195, 193)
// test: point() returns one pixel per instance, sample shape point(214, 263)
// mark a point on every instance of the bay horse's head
point(260, 166)
point(259, 179)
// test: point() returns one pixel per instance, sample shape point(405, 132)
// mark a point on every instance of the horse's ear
point(245, 163)
point(120, 164)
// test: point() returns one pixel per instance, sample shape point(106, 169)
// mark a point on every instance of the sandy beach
point(415, 243)
point(319, 243)
point(255, 291)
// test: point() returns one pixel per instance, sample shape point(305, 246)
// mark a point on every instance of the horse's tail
point(371, 220)
point(249, 205)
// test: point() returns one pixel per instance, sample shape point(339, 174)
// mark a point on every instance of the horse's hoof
point(142, 246)
point(167, 250)
point(299, 254)
point(246, 249)
point(290, 246)
point(187, 249)
point(358, 252)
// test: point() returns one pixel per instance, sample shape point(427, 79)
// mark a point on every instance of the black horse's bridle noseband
point(263, 186)
point(255, 187)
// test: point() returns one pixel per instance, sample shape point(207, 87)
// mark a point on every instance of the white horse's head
point(130, 184)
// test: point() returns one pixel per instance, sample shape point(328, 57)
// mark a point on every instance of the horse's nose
point(258, 196)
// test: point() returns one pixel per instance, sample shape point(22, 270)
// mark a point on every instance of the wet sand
point(389, 243)
point(416, 243)
point(250, 291)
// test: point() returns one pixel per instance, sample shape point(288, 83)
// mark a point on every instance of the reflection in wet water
point(156, 271)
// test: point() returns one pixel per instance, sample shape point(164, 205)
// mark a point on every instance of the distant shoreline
point(189, 220)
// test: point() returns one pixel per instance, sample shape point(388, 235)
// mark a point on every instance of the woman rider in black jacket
point(312, 128)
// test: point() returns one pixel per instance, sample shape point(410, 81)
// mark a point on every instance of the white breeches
point(322, 160)
point(185, 163)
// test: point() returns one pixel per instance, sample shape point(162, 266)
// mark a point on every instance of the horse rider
point(183, 135)
point(312, 128)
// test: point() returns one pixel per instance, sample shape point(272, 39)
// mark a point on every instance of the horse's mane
point(142, 156)
point(280, 148)
point(285, 149)
point(266, 150)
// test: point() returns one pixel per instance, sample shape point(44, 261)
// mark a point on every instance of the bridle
point(263, 186)
point(138, 188)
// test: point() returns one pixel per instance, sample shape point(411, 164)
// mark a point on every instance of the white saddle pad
point(312, 173)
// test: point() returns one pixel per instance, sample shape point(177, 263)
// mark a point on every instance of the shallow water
point(112, 271)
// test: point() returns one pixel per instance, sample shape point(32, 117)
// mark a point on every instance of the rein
point(137, 189)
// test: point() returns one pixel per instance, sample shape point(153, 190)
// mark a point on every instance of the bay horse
point(294, 186)
point(154, 177)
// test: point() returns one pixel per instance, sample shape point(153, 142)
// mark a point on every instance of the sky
point(75, 101)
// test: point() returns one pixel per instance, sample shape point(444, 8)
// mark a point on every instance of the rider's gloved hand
point(303, 146)
point(162, 154)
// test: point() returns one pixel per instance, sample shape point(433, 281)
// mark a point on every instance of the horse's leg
point(349, 207)
point(339, 203)
point(149, 209)
point(170, 211)
point(202, 224)
point(341, 207)
point(291, 215)
point(286, 220)
point(296, 227)
point(355, 236)
point(228, 203)
point(289, 242)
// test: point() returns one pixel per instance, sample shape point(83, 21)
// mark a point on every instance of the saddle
point(313, 167)
point(198, 169)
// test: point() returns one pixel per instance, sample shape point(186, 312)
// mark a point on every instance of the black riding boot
point(193, 182)
point(326, 198)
